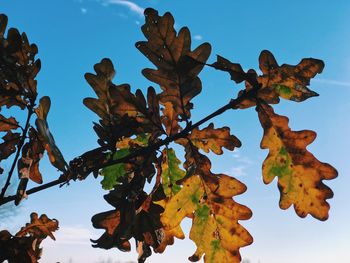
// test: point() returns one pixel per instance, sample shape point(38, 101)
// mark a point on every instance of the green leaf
point(171, 172)
point(114, 172)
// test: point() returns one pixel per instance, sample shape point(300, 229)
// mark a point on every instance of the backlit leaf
point(111, 174)
point(171, 172)
point(122, 112)
point(287, 81)
point(234, 69)
point(299, 173)
point(214, 139)
point(177, 65)
point(207, 199)
point(170, 119)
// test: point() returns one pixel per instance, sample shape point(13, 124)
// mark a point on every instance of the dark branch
point(233, 104)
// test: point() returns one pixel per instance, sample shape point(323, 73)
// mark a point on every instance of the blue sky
point(73, 35)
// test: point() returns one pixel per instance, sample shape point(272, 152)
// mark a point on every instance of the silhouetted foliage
point(135, 132)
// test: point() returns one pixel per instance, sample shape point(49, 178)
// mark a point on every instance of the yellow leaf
point(299, 173)
point(207, 199)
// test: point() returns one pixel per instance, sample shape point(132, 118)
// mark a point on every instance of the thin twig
point(19, 148)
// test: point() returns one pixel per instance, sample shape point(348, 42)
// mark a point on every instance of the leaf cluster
point(24, 246)
point(136, 132)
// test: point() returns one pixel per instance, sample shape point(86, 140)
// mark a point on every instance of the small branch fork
point(233, 104)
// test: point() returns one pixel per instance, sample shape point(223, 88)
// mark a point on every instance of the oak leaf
point(211, 139)
point(171, 172)
point(7, 124)
point(299, 173)
point(18, 68)
point(207, 199)
point(178, 66)
point(28, 164)
point(122, 113)
point(138, 218)
point(54, 153)
point(24, 247)
point(287, 81)
point(8, 147)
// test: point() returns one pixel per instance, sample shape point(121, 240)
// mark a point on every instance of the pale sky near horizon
point(73, 35)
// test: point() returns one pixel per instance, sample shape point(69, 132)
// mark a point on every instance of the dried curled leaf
point(24, 247)
point(55, 155)
point(211, 139)
point(177, 65)
point(28, 164)
point(207, 199)
point(299, 173)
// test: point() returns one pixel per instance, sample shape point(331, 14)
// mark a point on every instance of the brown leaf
point(7, 124)
point(24, 247)
point(234, 69)
point(170, 119)
point(39, 227)
point(8, 147)
point(54, 153)
point(214, 139)
point(138, 219)
point(177, 65)
point(122, 113)
point(287, 81)
point(28, 164)
point(299, 173)
point(18, 68)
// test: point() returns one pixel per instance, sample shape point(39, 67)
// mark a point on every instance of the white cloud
point(238, 171)
point(72, 235)
point(241, 164)
point(83, 10)
point(333, 82)
point(197, 37)
point(131, 5)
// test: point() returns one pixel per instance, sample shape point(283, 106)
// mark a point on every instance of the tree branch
point(233, 104)
point(19, 147)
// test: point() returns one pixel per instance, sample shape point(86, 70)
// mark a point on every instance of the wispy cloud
point(72, 235)
point(83, 10)
point(333, 82)
point(242, 163)
point(133, 7)
point(197, 37)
